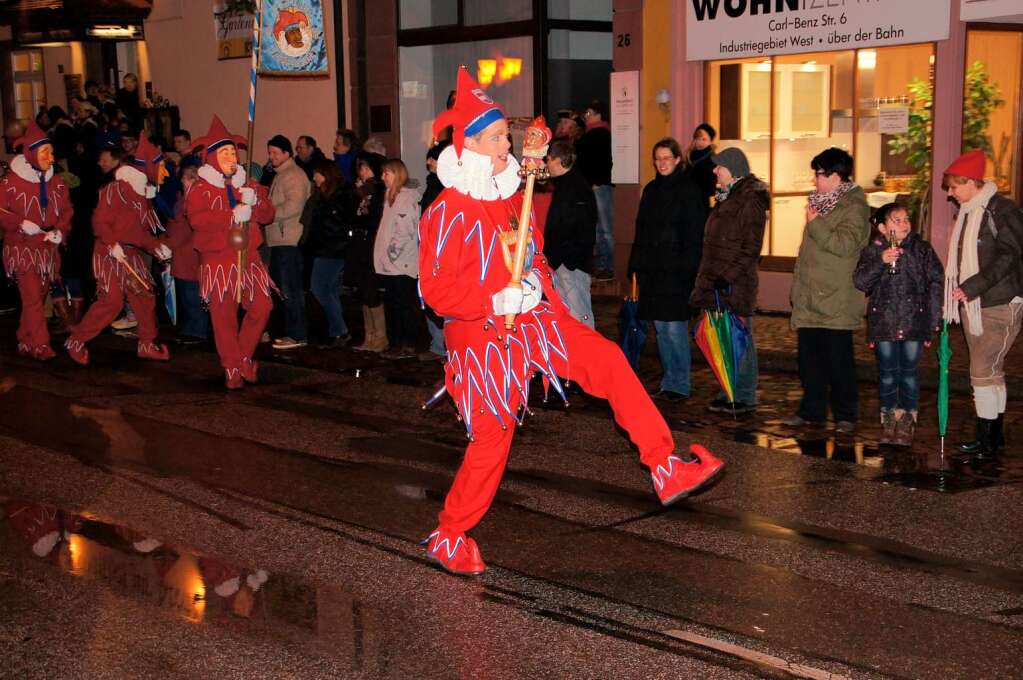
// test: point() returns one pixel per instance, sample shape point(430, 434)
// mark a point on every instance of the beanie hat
point(281, 142)
point(734, 160)
point(472, 113)
point(971, 165)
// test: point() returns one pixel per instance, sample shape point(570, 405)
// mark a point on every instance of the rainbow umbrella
point(723, 338)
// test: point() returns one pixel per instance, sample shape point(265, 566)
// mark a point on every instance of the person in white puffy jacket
point(396, 260)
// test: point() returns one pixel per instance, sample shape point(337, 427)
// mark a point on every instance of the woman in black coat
point(697, 164)
point(666, 258)
point(327, 225)
point(369, 207)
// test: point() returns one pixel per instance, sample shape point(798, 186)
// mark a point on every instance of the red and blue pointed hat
point(472, 112)
point(148, 158)
point(33, 138)
point(218, 136)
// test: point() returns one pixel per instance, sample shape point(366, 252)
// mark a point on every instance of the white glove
point(30, 228)
point(242, 213)
point(162, 252)
point(508, 301)
point(117, 252)
point(248, 195)
point(150, 191)
point(532, 292)
point(55, 237)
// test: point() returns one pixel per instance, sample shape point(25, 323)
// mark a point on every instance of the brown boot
point(65, 319)
point(77, 310)
point(905, 428)
point(367, 324)
point(887, 427)
point(379, 323)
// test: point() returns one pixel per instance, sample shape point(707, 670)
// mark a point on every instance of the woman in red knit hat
point(983, 288)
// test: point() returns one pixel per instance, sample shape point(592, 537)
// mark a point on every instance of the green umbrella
point(944, 355)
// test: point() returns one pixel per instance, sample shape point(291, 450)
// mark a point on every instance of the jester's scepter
point(534, 149)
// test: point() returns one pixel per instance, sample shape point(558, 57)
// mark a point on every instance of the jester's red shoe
point(43, 353)
point(77, 350)
point(233, 379)
point(676, 479)
point(153, 351)
point(455, 552)
point(250, 370)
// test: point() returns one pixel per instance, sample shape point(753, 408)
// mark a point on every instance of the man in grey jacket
point(288, 193)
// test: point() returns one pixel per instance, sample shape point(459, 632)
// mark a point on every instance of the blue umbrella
point(170, 298)
point(631, 329)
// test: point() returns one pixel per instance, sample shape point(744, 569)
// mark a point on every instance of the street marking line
point(798, 670)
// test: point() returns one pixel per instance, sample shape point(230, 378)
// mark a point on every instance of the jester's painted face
point(44, 157)
point(161, 173)
point(227, 159)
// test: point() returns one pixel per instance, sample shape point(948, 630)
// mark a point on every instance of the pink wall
point(183, 61)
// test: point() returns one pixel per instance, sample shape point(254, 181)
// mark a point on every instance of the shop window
point(29, 83)
point(480, 12)
point(579, 10)
point(427, 75)
point(427, 13)
point(992, 118)
point(578, 67)
point(783, 111)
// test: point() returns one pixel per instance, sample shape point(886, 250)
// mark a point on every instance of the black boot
point(997, 433)
point(982, 445)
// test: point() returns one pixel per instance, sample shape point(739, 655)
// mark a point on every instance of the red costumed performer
point(124, 223)
point(225, 211)
point(35, 212)
point(464, 277)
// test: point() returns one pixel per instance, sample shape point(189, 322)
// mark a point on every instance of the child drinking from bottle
point(903, 279)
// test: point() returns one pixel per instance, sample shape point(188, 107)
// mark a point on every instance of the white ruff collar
point(133, 176)
point(473, 174)
point(23, 169)
point(216, 178)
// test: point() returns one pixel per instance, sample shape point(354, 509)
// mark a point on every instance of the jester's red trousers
point(489, 382)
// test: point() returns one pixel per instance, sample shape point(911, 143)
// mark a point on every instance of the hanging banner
point(731, 29)
point(292, 42)
point(232, 20)
point(625, 127)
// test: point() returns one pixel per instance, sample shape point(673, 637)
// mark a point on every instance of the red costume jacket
point(180, 239)
point(211, 216)
point(19, 200)
point(462, 265)
point(123, 216)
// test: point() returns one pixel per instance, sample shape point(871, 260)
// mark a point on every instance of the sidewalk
point(776, 349)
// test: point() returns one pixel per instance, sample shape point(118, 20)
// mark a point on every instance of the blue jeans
point(195, 321)
point(67, 285)
point(326, 285)
point(746, 376)
point(604, 255)
point(897, 364)
point(574, 287)
point(673, 346)
point(286, 264)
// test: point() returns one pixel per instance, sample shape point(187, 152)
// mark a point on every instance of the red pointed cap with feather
point(472, 113)
point(148, 159)
point(216, 137)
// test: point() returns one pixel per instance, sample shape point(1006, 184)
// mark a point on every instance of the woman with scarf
point(983, 284)
point(826, 307)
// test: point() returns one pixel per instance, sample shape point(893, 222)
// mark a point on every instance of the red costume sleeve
point(263, 211)
point(117, 221)
point(445, 278)
point(210, 225)
point(10, 221)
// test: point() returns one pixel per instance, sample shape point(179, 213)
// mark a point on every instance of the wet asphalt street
point(155, 526)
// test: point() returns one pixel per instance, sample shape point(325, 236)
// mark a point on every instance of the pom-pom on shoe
point(454, 552)
point(676, 479)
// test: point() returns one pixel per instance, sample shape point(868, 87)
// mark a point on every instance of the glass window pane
point(503, 67)
point(24, 110)
point(426, 13)
point(739, 106)
point(39, 91)
point(998, 56)
point(886, 79)
point(23, 92)
point(578, 69)
point(21, 61)
point(580, 10)
point(478, 12)
point(37, 61)
point(788, 217)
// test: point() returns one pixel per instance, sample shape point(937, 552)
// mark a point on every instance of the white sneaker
point(288, 343)
point(124, 323)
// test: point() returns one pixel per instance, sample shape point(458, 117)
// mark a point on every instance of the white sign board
point(991, 10)
point(625, 127)
point(729, 29)
point(893, 121)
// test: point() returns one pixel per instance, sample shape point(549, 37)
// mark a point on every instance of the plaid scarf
point(825, 203)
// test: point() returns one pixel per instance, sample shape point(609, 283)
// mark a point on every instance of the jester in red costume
point(225, 210)
point(465, 238)
point(35, 213)
point(125, 225)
